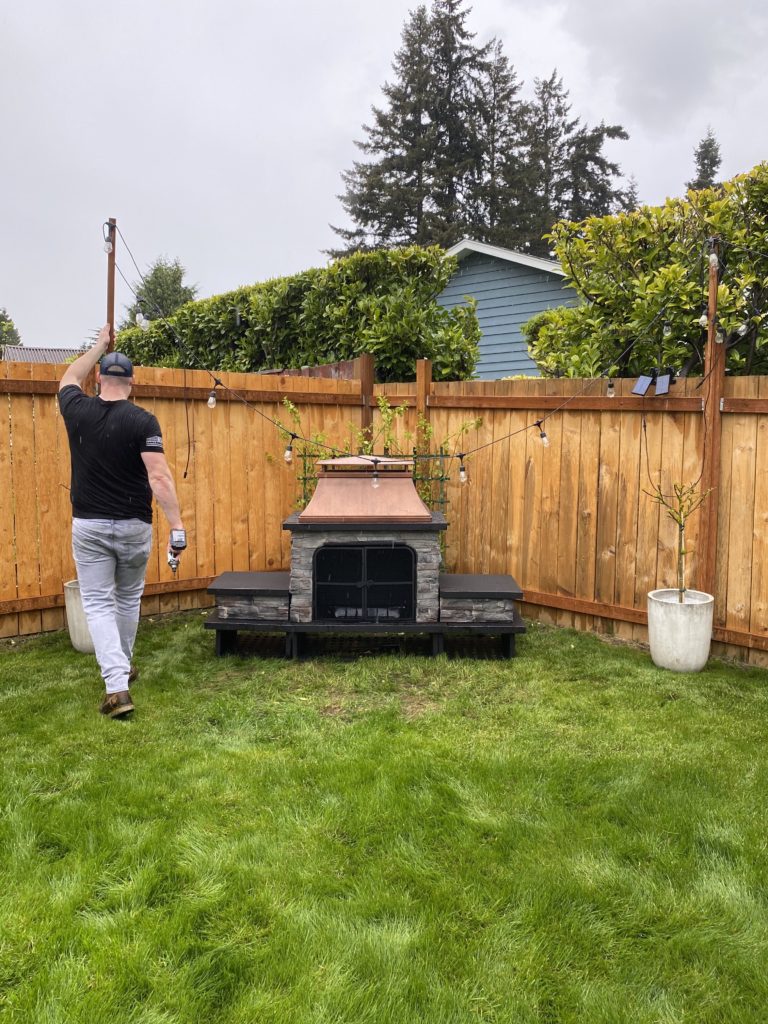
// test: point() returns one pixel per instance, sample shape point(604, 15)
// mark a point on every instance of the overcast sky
point(216, 133)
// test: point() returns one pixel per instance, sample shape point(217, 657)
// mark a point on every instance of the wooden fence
point(572, 522)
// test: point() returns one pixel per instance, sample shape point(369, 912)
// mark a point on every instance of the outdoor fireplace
point(365, 558)
point(366, 548)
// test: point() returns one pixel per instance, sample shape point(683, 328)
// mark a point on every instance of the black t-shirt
point(106, 439)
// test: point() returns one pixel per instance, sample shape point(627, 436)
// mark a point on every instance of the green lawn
point(573, 836)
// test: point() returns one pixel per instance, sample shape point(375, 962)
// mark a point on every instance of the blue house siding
point(507, 295)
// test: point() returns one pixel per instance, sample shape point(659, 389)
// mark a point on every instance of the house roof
point(32, 354)
point(467, 246)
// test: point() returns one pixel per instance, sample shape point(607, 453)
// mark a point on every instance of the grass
point(574, 836)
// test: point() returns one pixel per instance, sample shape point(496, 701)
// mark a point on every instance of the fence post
point(365, 371)
point(423, 387)
point(714, 377)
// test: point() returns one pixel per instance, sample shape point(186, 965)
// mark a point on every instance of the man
point(118, 464)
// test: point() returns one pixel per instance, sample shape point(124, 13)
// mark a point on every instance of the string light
point(719, 336)
point(288, 453)
point(611, 392)
point(212, 399)
point(713, 260)
point(462, 470)
point(375, 479)
point(742, 330)
point(667, 331)
point(542, 433)
point(704, 320)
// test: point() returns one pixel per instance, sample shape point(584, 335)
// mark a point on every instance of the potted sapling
point(679, 619)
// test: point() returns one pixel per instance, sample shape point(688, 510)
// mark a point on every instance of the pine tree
point(567, 176)
point(494, 209)
point(425, 146)
point(708, 159)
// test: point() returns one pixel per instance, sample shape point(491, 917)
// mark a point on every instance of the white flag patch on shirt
point(154, 442)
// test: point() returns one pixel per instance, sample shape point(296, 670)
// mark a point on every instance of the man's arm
point(161, 482)
point(82, 366)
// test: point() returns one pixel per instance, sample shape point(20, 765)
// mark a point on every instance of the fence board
point(571, 522)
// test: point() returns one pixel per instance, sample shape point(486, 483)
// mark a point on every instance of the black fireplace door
point(364, 583)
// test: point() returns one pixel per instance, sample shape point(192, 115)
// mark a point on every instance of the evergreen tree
point(568, 175)
point(494, 207)
point(9, 335)
point(455, 152)
point(425, 145)
point(160, 292)
point(708, 159)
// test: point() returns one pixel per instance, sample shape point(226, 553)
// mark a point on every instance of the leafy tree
point(643, 278)
point(160, 292)
point(708, 160)
point(382, 302)
point(9, 335)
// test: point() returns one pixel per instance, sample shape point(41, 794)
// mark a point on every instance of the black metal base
point(227, 629)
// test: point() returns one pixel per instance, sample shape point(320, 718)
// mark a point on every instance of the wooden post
point(423, 387)
point(365, 371)
point(111, 237)
point(714, 375)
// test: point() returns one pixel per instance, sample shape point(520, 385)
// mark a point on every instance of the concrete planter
point(680, 634)
point(77, 624)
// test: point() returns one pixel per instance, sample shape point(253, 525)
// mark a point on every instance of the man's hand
point(82, 366)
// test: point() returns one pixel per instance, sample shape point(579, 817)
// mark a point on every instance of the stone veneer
point(426, 545)
point(273, 609)
point(479, 609)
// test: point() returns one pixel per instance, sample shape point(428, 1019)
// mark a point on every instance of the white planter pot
point(77, 624)
point(680, 634)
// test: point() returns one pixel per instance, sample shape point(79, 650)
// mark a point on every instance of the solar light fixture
point(663, 380)
point(644, 382)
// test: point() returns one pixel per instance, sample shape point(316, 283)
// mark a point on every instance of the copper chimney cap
point(365, 488)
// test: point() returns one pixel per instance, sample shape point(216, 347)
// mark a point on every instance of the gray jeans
point(111, 557)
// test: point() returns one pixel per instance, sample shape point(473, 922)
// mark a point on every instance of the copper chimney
point(365, 489)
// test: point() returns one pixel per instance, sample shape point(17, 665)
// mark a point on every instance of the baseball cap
point(115, 364)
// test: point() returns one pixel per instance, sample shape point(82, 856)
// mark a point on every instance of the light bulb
point(212, 400)
point(288, 455)
point(462, 474)
point(713, 260)
point(719, 337)
point(667, 331)
point(611, 392)
point(704, 320)
point(139, 318)
point(144, 325)
point(544, 438)
point(375, 480)
point(742, 330)
point(107, 246)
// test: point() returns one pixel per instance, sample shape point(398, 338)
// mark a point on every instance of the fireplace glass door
point(364, 583)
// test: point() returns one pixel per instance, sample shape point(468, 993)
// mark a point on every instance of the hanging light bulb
point(462, 473)
point(144, 325)
point(719, 336)
point(139, 318)
point(288, 453)
point(667, 332)
point(611, 392)
point(742, 329)
point(375, 479)
point(107, 246)
point(713, 260)
point(704, 320)
point(542, 433)
point(212, 399)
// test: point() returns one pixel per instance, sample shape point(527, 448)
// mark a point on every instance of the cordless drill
point(176, 544)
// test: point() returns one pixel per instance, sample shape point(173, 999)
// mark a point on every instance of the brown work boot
point(133, 675)
point(116, 704)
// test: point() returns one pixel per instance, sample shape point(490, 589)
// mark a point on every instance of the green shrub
point(381, 302)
